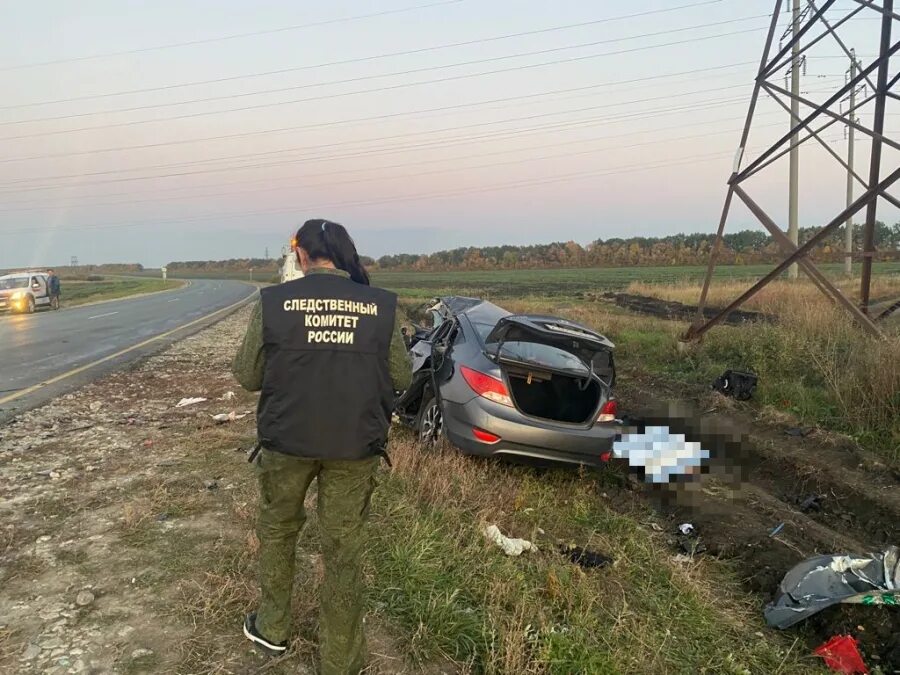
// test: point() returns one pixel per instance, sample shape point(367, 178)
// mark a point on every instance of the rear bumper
point(523, 438)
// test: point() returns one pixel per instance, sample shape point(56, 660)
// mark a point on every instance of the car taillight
point(485, 436)
point(609, 411)
point(486, 386)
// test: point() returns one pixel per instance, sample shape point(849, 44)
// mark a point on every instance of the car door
point(39, 290)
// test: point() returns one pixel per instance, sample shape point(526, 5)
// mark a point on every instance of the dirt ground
point(99, 573)
point(826, 493)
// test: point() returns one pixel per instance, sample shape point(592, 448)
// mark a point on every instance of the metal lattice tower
point(812, 121)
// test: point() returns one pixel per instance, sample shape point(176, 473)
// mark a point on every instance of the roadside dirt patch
point(126, 526)
point(800, 496)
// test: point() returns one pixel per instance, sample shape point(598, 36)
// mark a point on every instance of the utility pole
point(267, 252)
point(848, 234)
point(793, 196)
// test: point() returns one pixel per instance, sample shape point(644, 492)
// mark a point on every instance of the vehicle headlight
point(18, 295)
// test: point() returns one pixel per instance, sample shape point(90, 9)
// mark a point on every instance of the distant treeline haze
point(739, 248)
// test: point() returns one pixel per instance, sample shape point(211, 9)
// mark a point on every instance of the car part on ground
point(737, 384)
point(497, 384)
point(827, 580)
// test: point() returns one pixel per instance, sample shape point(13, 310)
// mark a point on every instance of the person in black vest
point(327, 353)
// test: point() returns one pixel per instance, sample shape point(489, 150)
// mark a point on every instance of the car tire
point(29, 307)
point(430, 422)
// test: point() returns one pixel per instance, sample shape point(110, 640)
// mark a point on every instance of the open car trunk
point(554, 396)
point(556, 369)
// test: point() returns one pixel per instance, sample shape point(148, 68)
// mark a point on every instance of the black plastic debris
point(812, 503)
point(736, 383)
point(799, 432)
point(585, 558)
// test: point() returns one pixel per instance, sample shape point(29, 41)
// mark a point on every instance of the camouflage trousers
point(345, 489)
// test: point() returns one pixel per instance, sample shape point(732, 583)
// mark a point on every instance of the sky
point(205, 129)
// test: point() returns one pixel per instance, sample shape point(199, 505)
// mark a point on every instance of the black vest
point(327, 391)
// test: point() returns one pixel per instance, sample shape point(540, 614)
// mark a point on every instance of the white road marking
point(173, 300)
point(99, 316)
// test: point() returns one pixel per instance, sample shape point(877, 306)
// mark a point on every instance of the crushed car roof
point(459, 304)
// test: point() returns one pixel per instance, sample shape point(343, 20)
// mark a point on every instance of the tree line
point(739, 248)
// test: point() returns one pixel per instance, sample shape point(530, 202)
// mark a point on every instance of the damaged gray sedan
point(520, 386)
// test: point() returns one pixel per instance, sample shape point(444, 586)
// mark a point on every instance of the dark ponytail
point(325, 240)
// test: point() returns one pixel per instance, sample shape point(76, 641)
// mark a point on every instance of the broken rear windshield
point(534, 353)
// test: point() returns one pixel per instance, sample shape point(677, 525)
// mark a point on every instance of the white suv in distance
point(24, 292)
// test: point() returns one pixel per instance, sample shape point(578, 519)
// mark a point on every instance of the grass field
point(110, 288)
point(569, 282)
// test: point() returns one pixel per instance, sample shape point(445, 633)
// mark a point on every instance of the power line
point(374, 90)
point(382, 138)
point(463, 141)
point(425, 163)
point(489, 188)
point(32, 179)
point(368, 118)
point(5, 187)
point(365, 78)
point(360, 59)
point(271, 31)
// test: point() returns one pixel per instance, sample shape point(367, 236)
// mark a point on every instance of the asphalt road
point(46, 353)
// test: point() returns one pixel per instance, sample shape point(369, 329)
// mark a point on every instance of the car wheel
point(430, 422)
point(29, 308)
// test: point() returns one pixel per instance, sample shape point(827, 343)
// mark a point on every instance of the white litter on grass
point(512, 547)
point(228, 396)
point(661, 453)
point(221, 418)
point(686, 528)
point(189, 401)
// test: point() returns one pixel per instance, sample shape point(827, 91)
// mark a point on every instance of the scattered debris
point(228, 396)
point(211, 484)
point(84, 598)
point(692, 547)
point(827, 580)
point(585, 558)
point(221, 418)
point(95, 406)
point(800, 432)
point(189, 401)
point(812, 503)
point(140, 654)
point(686, 529)
point(778, 528)
point(737, 384)
point(655, 527)
point(511, 547)
point(841, 654)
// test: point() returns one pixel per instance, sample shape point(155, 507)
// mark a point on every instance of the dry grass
point(781, 298)
point(814, 362)
point(456, 596)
